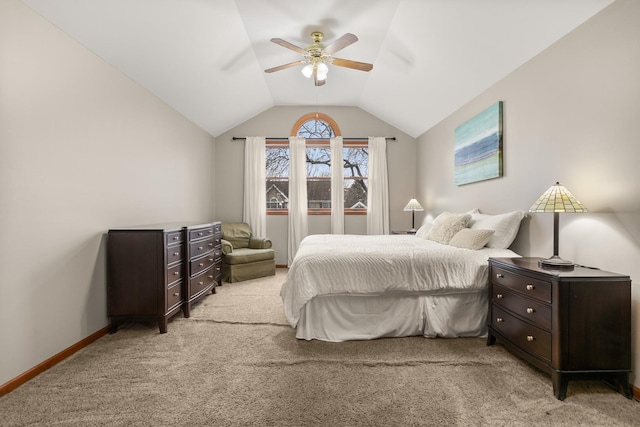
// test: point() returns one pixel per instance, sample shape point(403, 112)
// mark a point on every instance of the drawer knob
point(176, 294)
point(175, 237)
point(499, 320)
point(499, 276)
point(530, 338)
point(200, 283)
point(530, 287)
point(210, 276)
point(201, 264)
point(176, 253)
point(210, 245)
point(175, 273)
point(200, 248)
point(530, 310)
point(200, 234)
point(499, 296)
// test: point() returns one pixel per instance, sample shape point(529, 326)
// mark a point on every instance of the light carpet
point(236, 362)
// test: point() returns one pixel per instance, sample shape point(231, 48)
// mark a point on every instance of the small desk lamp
point(413, 206)
point(557, 199)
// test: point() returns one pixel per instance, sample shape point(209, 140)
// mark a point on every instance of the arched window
point(315, 126)
point(318, 129)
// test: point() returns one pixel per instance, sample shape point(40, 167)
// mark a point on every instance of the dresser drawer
point(174, 254)
point(200, 233)
point(201, 264)
point(531, 310)
point(202, 281)
point(174, 274)
point(217, 228)
point(174, 237)
point(531, 339)
point(533, 288)
point(174, 295)
point(201, 247)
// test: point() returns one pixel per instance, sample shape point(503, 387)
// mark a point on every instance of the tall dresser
point(572, 323)
point(145, 274)
point(203, 260)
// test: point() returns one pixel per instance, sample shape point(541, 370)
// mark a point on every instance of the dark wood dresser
point(145, 274)
point(204, 261)
point(572, 323)
point(155, 271)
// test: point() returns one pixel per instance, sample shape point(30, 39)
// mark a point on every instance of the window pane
point(277, 159)
point(355, 193)
point(356, 162)
point(319, 193)
point(277, 193)
point(316, 129)
point(318, 162)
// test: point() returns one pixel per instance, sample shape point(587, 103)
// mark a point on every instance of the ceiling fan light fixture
point(307, 71)
point(323, 69)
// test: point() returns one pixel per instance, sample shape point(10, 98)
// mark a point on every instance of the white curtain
point(298, 227)
point(378, 192)
point(255, 199)
point(337, 186)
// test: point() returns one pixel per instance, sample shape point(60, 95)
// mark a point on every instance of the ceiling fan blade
point(341, 43)
point(288, 45)
point(283, 67)
point(362, 66)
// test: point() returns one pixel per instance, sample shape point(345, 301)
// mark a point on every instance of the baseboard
point(281, 266)
point(52, 361)
point(636, 392)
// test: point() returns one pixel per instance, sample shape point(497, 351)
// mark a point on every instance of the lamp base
point(555, 262)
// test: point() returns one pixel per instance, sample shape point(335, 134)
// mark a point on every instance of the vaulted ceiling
point(206, 58)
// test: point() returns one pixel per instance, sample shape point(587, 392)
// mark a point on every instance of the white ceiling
point(206, 58)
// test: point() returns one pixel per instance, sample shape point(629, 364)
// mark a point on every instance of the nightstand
point(572, 323)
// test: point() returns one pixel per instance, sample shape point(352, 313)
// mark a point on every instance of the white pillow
point(446, 225)
point(505, 225)
point(471, 239)
point(423, 230)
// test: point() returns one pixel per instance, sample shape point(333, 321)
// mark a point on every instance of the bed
point(354, 287)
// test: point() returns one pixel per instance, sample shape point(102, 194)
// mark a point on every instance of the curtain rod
point(286, 138)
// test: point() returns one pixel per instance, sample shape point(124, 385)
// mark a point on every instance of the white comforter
point(331, 264)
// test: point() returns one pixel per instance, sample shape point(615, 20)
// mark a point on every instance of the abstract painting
point(478, 147)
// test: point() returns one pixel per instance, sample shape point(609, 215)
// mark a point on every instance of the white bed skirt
point(364, 317)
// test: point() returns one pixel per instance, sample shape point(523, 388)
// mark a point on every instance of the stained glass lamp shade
point(413, 206)
point(556, 200)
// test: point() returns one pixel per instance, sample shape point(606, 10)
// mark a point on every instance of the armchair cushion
point(246, 256)
point(236, 233)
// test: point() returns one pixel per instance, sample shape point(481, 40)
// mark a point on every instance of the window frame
point(324, 143)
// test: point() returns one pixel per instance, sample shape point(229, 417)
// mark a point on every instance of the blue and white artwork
point(478, 147)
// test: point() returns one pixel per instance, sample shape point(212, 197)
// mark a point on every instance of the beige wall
point(570, 114)
point(82, 149)
point(278, 122)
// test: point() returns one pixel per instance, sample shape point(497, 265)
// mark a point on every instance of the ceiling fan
point(316, 56)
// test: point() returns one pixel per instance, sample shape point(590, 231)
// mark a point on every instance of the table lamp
point(413, 206)
point(557, 199)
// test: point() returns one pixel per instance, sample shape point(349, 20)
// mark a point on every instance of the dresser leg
point(491, 340)
point(113, 326)
point(186, 309)
point(560, 383)
point(162, 323)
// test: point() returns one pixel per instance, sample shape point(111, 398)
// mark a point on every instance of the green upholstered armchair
point(245, 256)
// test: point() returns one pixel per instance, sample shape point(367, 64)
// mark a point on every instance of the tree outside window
point(318, 129)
